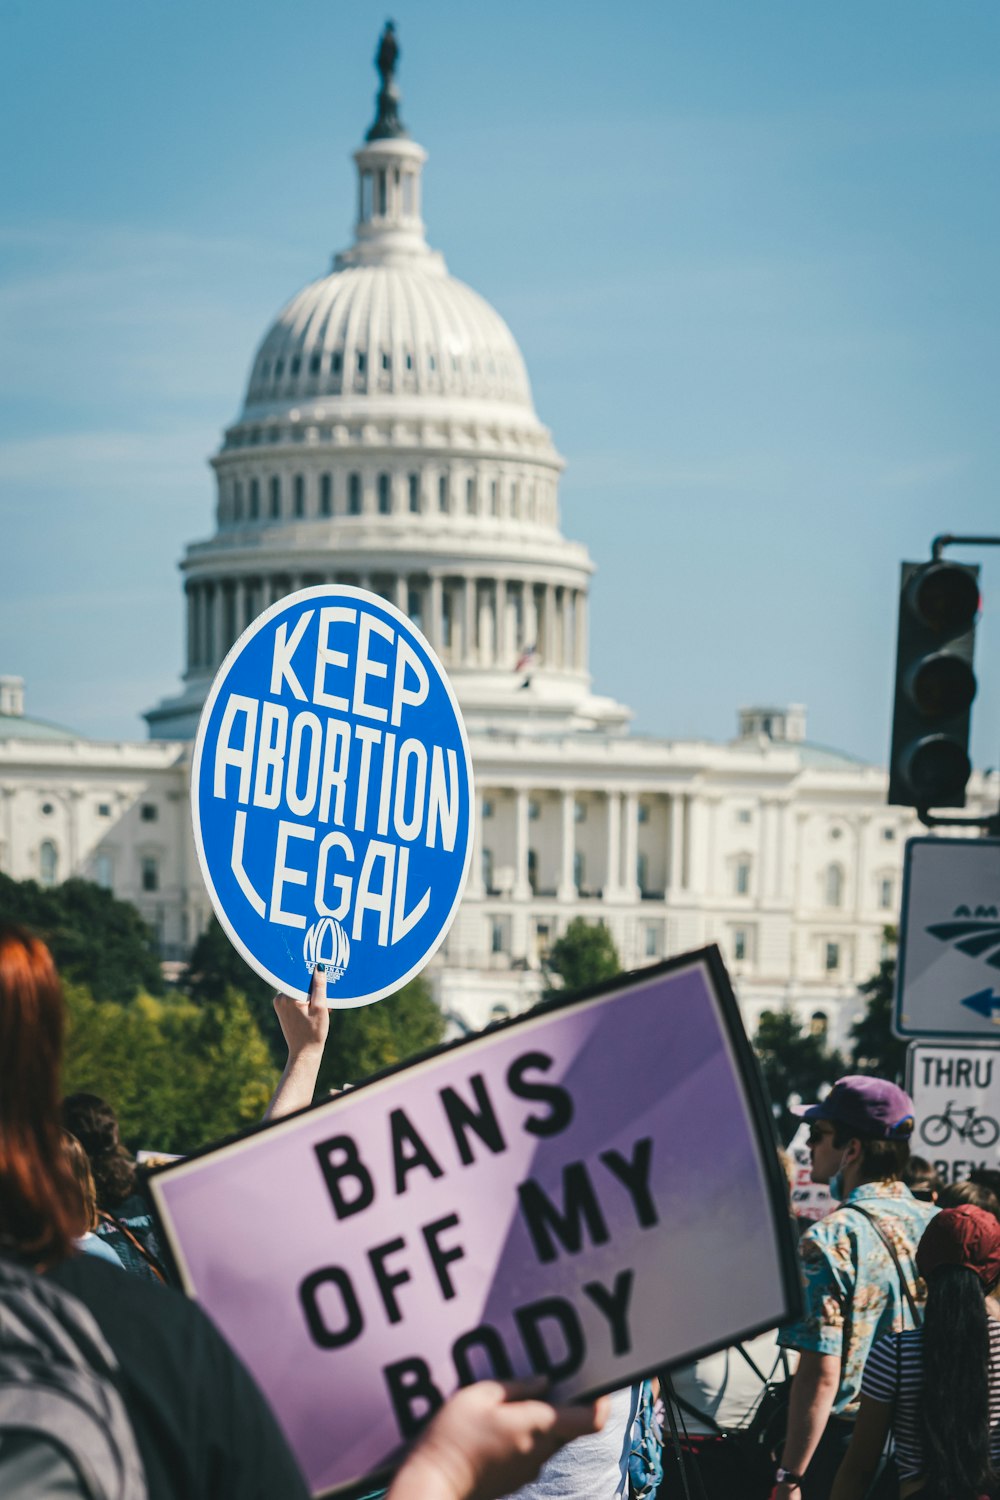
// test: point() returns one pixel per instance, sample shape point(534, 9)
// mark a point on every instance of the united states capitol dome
point(388, 440)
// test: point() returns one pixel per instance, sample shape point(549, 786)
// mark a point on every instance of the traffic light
point(938, 608)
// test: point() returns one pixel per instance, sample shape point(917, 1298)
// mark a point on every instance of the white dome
point(407, 330)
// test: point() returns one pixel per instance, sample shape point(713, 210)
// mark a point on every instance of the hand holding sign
point(331, 789)
point(489, 1440)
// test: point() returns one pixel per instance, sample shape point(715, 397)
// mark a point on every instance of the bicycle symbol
point(981, 1130)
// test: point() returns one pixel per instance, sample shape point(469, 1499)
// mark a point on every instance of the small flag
point(527, 659)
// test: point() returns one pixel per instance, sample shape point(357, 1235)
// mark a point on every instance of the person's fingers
point(574, 1421)
point(521, 1390)
point(317, 988)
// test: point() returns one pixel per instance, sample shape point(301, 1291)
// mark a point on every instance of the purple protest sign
point(591, 1192)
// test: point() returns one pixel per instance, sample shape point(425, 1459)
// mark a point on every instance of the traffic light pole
point(990, 823)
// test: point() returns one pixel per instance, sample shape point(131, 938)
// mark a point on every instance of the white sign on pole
point(810, 1200)
point(948, 974)
point(956, 1100)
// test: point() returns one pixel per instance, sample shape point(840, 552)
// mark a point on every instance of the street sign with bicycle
point(956, 1098)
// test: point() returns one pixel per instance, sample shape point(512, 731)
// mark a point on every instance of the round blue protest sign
point(331, 789)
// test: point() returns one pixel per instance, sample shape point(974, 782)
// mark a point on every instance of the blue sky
point(748, 250)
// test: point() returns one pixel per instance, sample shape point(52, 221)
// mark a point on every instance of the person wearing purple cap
point(860, 1279)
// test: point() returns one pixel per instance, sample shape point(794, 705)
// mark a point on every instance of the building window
point(361, 361)
point(470, 495)
point(886, 892)
point(150, 873)
point(384, 495)
point(741, 878)
point(415, 607)
point(500, 935)
point(415, 493)
point(642, 812)
point(487, 863)
point(579, 812)
point(238, 500)
point(834, 886)
point(443, 492)
point(104, 871)
point(744, 815)
point(409, 356)
point(275, 495)
point(642, 872)
point(48, 863)
point(493, 497)
point(254, 499)
point(47, 809)
point(104, 809)
point(831, 961)
point(534, 809)
point(354, 494)
point(150, 812)
point(740, 944)
point(279, 368)
point(296, 366)
point(579, 870)
point(652, 940)
point(888, 835)
point(533, 871)
point(819, 1025)
point(325, 495)
point(299, 496)
point(336, 362)
point(487, 807)
point(314, 364)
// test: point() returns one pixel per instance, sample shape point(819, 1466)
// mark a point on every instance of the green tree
point(584, 955)
point(215, 967)
point(876, 1049)
point(793, 1061)
point(371, 1037)
point(94, 938)
point(178, 1075)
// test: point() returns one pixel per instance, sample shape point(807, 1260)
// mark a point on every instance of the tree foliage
point(94, 938)
point(876, 1048)
point(371, 1037)
point(584, 955)
point(793, 1061)
point(178, 1075)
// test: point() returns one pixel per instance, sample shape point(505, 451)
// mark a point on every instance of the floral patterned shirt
point(851, 1287)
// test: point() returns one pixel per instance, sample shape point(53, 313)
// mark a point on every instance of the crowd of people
point(887, 1386)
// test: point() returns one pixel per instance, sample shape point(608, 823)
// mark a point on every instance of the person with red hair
point(203, 1429)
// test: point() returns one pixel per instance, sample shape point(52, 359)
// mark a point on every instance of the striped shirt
point(888, 1371)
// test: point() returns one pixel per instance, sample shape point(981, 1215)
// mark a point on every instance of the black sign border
point(755, 1096)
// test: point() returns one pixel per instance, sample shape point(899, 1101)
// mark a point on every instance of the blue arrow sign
point(983, 1002)
point(331, 788)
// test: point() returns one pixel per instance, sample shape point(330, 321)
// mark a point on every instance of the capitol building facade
point(388, 439)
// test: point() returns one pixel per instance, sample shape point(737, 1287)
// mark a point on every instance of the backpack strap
point(887, 1242)
point(122, 1227)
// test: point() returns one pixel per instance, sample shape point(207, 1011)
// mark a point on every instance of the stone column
point(531, 618)
point(630, 884)
point(567, 878)
point(469, 621)
point(474, 886)
point(568, 628)
point(434, 632)
point(579, 632)
point(402, 591)
point(501, 648)
point(522, 888)
point(614, 854)
point(675, 875)
point(549, 649)
point(485, 633)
